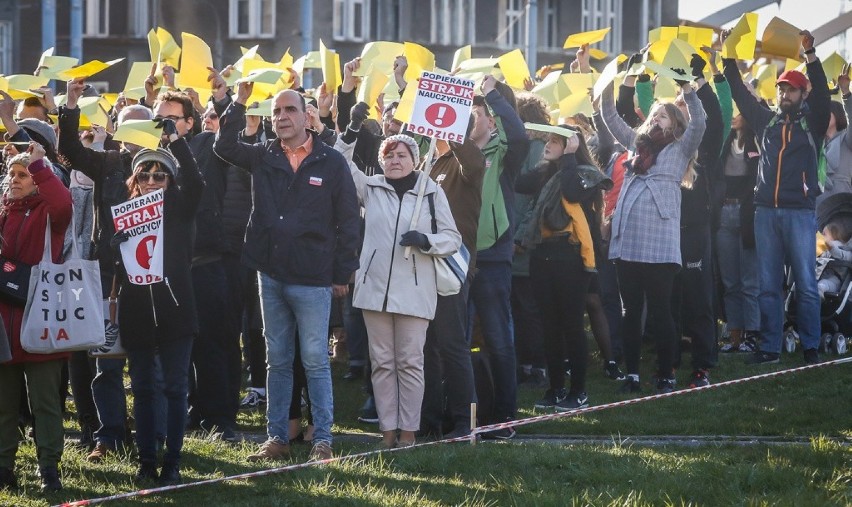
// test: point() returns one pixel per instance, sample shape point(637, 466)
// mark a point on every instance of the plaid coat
point(646, 222)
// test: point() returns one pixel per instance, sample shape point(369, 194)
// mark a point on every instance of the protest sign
point(441, 107)
point(142, 253)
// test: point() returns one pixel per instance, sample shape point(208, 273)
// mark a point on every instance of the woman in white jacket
point(398, 294)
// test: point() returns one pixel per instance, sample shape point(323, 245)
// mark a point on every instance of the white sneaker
point(254, 398)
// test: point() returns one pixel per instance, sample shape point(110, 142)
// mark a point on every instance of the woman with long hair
point(646, 224)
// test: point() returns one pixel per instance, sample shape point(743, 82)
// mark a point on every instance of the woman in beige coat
point(398, 294)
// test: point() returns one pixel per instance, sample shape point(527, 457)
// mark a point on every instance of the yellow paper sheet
point(15, 94)
point(406, 105)
point(780, 38)
point(263, 76)
point(597, 54)
point(462, 54)
point(696, 36)
point(833, 66)
point(380, 56)
point(551, 88)
point(330, 68)
point(263, 108)
point(666, 71)
point(111, 98)
point(26, 82)
point(679, 55)
point(196, 57)
point(169, 49)
point(663, 33)
point(139, 132)
point(153, 45)
point(766, 75)
point(92, 108)
point(578, 39)
point(134, 87)
point(607, 76)
point(515, 68)
point(575, 103)
point(248, 54)
point(665, 89)
point(88, 69)
point(550, 129)
point(578, 83)
point(370, 88)
point(419, 59)
point(740, 43)
point(794, 64)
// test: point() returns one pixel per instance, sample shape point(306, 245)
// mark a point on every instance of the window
point(139, 20)
point(598, 14)
point(551, 24)
point(351, 20)
point(97, 18)
point(6, 47)
point(512, 33)
point(451, 25)
point(252, 19)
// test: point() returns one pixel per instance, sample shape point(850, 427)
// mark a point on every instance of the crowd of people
point(273, 225)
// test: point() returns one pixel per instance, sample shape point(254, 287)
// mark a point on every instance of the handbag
point(450, 272)
point(112, 347)
point(64, 310)
point(14, 281)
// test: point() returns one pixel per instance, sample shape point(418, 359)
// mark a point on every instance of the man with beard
point(787, 186)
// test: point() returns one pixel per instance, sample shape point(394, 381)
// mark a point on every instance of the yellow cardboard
point(780, 38)
point(607, 75)
point(515, 68)
point(169, 50)
point(578, 39)
point(370, 88)
point(265, 76)
point(153, 45)
point(111, 98)
point(88, 69)
point(462, 54)
point(379, 55)
point(139, 132)
point(742, 39)
point(330, 68)
point(194, 63)
point(419, 59)
point(552, 129)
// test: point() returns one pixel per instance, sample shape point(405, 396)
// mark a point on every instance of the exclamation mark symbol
point(439, 120)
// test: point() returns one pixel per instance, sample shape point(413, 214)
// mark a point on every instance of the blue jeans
point(110, 400)
point(173, 357)
point(285, 308)
point(490, 297)
point(787, 234)
point(738, 271)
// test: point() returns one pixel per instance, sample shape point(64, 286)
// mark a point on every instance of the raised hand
point(73, 92)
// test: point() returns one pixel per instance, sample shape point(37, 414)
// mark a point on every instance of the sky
point(805, 14)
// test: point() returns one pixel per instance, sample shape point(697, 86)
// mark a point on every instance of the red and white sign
point(442, 107)
point(142, 254)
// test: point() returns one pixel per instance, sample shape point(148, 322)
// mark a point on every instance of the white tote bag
point(113, 347)
point(64, 309)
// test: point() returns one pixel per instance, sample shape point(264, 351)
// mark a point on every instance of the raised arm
point(691, 139)
point(516, 134)
point(619, 129)
point(228, 145)
point(471, 160)
point(188, 178)
point(752, 110)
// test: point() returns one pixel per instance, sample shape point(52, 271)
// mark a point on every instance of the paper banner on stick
point(139, 132)
point(780, 38)
point(419, 59)
point(461, 55)
point(195, 59)
point(515, 68)
point(379, 55)
point(607, 75)
point(578, 39)
point(330, 68)
point(370, 88)
point(742, 39)
point(87, 70)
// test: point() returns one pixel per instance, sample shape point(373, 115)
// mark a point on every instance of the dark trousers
point(692, 297)
point(611, 300)
point(81, 370)
point(641, 282)
point(448, 373)
point(356, 332)
point(560, 287)
point(529, 343)
point(216, 351)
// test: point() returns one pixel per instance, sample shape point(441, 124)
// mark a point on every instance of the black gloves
point(119, 237)
point(681, 82)
point(168, 126)
point(697, 63)
point(358, 114)
point(414, 238)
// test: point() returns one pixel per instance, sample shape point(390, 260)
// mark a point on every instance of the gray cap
point(43, 129)
point(161, 155)
point(408, 141)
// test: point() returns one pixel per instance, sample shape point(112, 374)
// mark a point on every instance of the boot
point(49, 479)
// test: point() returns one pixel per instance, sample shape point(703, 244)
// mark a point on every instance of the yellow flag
point(378, 55)
point(462, 54)
point(88, 69)
point(743, 38)
point(196, 57)
point(578, 39)
point(419, 59)
point(139, 132)
point(514, 68)
point(330, 68)
point(370, 88)
point(780, 38)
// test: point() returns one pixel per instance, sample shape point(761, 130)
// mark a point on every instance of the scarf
point(648, 146)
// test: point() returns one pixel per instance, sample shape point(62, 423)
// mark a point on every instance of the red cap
point(793, 78)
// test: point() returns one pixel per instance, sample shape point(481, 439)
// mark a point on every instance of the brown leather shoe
point(271, 449)
point(321, 451)
point(98, 453)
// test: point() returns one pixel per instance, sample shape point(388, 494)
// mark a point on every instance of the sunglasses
point(211, 116)
point(157, 177)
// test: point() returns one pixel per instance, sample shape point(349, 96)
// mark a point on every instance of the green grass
point(814, 404)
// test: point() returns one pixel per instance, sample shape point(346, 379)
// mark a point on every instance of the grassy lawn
point(813, 404)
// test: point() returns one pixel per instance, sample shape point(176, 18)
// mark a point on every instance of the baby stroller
point(836, 307)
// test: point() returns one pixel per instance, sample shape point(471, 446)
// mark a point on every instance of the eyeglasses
point(212, 116)
point(157, 177)
point(172, 117)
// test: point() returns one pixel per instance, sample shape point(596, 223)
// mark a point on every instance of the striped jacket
point(646, 222)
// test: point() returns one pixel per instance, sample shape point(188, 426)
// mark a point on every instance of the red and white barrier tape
point(476, 431)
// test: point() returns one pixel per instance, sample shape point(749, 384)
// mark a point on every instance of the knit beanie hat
point(166, 160)
point(408, 141)
point(41, 129)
